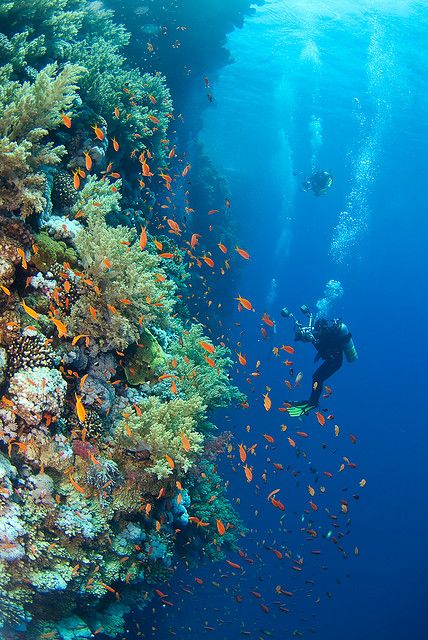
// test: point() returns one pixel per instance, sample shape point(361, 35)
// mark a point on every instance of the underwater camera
point(286, 313)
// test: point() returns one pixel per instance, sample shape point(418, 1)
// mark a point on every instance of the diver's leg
point(324, 372)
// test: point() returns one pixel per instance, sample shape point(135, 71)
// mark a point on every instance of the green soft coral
point(159, 430)
point(125, 291)
point(146, 361)
point(51, 252)
point(198, 376)
point(29, 112)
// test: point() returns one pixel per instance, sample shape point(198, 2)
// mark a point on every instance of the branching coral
point(29, 112)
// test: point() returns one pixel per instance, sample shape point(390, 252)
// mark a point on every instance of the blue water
point(338, 85)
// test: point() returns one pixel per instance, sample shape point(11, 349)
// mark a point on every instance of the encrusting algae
point(105, 383)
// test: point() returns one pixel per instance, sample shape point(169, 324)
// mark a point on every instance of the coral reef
point(106, 386)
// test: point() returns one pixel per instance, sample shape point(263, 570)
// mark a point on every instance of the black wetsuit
point(329, 344)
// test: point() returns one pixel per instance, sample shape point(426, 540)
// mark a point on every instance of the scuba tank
point(348, 346)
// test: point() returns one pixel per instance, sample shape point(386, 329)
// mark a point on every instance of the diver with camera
point(331, 339)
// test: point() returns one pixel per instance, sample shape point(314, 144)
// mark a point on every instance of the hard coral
point(29, 351)
point(37, 392)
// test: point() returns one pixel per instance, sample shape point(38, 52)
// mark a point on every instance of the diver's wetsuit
point(329, 343)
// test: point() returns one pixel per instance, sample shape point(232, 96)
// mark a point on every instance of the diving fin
point(300, 409)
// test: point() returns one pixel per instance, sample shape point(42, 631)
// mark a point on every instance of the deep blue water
point(337, 85)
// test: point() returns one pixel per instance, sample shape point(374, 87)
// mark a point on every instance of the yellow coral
point(160, 429)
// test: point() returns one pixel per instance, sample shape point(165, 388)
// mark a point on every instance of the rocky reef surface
point(107, 453)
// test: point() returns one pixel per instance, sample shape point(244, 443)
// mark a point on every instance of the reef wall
point(107, 452)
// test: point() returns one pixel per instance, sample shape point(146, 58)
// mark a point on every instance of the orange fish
point(116, 112)
point(234, 565)
point(98, 132)
point(30, 311)
point(267, 402)
point(208, 261)
point(166, 255)
point(267, 320)
point(175, 228)
point(242, 359)
point(66, 120)
point(268, 438)
point(154, 119)
point(143, 239)
point(194, 240)
point(242, 453)
point(80, 409)
point(211, 211)
point(222, 247)
point(170, 461)
point(220, 527)
point(5, 290)
point(93, 312)
point(116, 145)
point(248, 473)
point(88, 161)
point(320, 418)
point(245, 303)
point(287, 348)
point(186, 170)
point(208, 347)
point(76, 179)
point(62, 328)
point(291, 442)
point(243, 253)
point(185, 442)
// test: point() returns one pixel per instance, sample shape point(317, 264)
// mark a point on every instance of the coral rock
point(45, 394)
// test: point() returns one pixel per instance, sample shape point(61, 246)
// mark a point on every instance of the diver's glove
point(298, 409)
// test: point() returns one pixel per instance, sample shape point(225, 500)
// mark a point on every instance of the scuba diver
point(319, 183)
point(331, 339)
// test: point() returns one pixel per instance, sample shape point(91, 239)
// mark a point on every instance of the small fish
point(208, 261)
point(88, 160)
point(80, 409)
point(208, 347)
point(248, 473)
point(287, 348)
point(99, 133)
point(170, 461)
point(267, 402)
point(242, 359)
point(185, 442)
point(66, 120)
point(61, 327)
point(244, 303)
point(320, 418)
point(244, 254)
point(116, 145)
point(31, 312)
point(220, 527)
point(268, 438)
point(143, 239)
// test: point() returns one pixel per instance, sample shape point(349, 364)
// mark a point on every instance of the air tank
point(349, 347)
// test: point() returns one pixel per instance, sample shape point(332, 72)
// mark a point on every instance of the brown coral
point(14, 235)
point(27, 352)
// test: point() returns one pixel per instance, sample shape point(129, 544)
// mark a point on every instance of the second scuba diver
point(319, 183)
point(331, 339)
